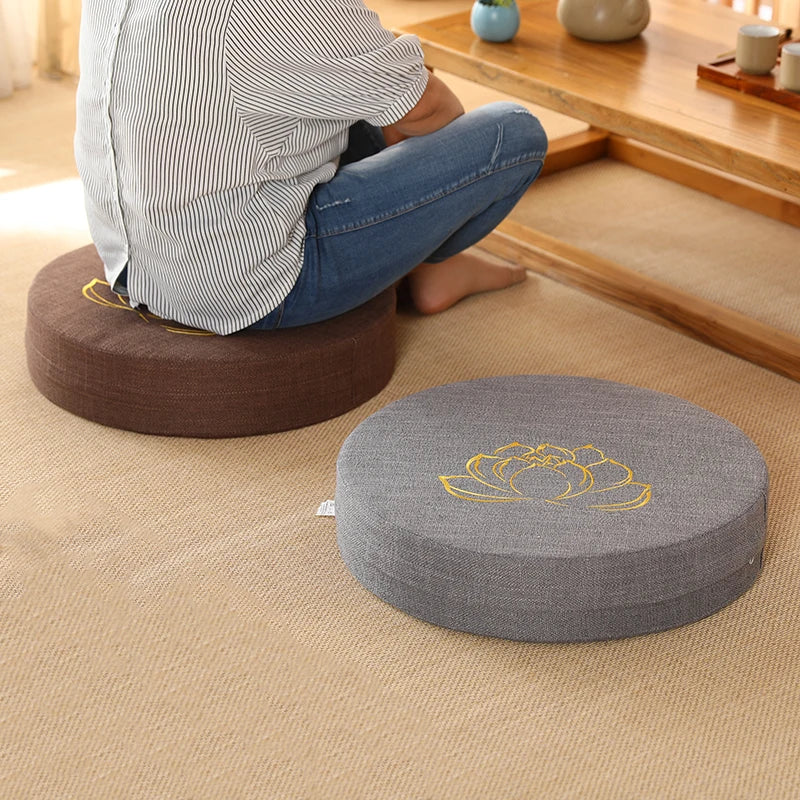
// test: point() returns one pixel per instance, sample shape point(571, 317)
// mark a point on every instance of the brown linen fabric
point(93, 355)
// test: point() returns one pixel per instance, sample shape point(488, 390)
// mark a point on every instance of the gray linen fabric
point(588, 509)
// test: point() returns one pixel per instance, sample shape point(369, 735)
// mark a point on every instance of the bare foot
point(435, 287)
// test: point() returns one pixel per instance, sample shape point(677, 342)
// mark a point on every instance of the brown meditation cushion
point(93, 355)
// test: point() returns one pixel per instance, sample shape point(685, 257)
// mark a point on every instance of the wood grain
point(580, 148)
point(726, 73)
point(708, 322)
point(644, 89)
point(576, 149)
point(767, 202)
point(645, 105)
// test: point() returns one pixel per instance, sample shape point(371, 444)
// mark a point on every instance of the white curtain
point(57, 41)
point(16, 51)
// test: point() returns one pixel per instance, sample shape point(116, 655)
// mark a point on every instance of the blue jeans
point(388, 209)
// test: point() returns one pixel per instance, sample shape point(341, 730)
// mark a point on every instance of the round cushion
point(91, 353)
point(551, 508)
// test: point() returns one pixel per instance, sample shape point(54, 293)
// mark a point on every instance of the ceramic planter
point(495, 23)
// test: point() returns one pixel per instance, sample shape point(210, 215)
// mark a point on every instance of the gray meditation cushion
point(551, 508)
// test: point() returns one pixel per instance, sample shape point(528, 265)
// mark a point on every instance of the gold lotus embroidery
point(100, 292)
point(583, 477)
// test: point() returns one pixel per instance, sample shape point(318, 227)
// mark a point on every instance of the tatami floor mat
point(177, 622)
point(717, 251)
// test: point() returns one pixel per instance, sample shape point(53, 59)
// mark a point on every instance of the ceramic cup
point(789, 76)
point(757, 48)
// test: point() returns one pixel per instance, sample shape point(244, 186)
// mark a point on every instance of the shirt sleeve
point(323, 59)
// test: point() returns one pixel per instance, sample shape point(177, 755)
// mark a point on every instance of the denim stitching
point(433, 198)
point(334, 203)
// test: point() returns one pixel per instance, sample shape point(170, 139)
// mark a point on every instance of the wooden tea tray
point(725, 72)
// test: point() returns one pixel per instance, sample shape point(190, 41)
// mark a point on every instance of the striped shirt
point(204, 125)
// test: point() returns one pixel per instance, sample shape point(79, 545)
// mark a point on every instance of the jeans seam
point(497, 146)
point(427, 201)
point(281, 308)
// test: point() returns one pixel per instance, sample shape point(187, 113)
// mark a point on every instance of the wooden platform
point(646, 106)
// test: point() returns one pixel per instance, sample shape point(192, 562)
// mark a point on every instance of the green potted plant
point(495, 20)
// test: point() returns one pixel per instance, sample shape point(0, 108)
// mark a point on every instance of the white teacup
point(757, 48)
point(789, 77)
